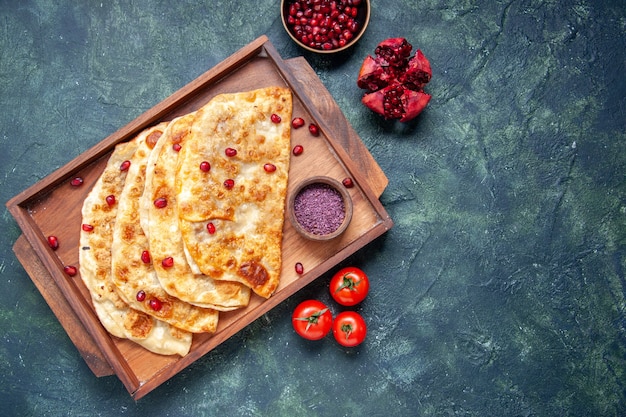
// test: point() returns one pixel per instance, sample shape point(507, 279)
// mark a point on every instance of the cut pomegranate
point(141, 295)
point(269, 167)
point(275, 118)
point(297, 122)
point(176, 147)
point(124, 166)
point(87, 227)
point(395, 81)
point(230, 152)
point(70, 270)
point(110, 199)
point(347, 182)
point(210, 227)
point(299, 268)
point(53, 242)
point(168, 262)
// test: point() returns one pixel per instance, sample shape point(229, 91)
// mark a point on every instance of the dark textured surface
point(501, 289)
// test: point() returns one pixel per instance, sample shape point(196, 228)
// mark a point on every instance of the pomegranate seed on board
point(70, 270)
point(269, 167)
point(145, 257)
point(205, 166)
point(124, 166)
point(210, 227)
point(155, 304)
point(275, 118)
point(297, 150)
point(76, 182)
point(167, 262)
point(141, 295)
point(297, 122)
point(110, 199)
point(347, 182)
point(230, 152)
point(53, 242)
point(229, 184)
point(160, 202)
point(314, 130)
point(299, 268)
point(87, 227)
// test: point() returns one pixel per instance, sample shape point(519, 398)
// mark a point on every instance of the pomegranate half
point(395, 80)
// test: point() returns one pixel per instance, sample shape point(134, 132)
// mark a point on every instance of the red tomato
point(349, 286)
point(349, 328)
point(312, 319)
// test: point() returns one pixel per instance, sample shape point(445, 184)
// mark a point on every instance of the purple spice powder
point(319, 209)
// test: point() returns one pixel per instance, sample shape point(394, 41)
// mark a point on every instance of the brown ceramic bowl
point(301, 219)
point(362, 17)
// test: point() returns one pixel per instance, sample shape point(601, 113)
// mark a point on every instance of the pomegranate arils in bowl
point(395, 81)
point(325, 26)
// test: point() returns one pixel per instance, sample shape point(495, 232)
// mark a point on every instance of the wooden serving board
point(52, 206)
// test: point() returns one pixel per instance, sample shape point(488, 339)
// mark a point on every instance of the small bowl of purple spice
point(320, 208)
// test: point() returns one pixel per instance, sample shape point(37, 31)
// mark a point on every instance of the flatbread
point(133, 276)
point(95, 267)
point(248, 218)
point(164, 235)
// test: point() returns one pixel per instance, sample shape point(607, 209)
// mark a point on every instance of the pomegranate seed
point(70, 270)
point(269, 167)
point(299, 268)
point(210, 227)
point(76, 182)
point(141, 295)
point(297, 150)
point(110, 199)
point(275, 118)
point(155, 304)
point(229, 183)
point(160, 202)
point(176, 147)
point(53, 242)
point(230, 152)
point(145, 257)
point(297, 122)
point(347, 182)
point(167, 262)
point(125, 165)
point(314, 130)
point(205, 166)
point(87, 227)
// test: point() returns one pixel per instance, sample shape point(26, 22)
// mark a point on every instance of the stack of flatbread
point(186, 220)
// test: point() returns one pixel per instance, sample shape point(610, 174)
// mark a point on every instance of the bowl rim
point(357, 37)
point(347, 203)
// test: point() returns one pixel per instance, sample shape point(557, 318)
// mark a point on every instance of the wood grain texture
point(85, 344)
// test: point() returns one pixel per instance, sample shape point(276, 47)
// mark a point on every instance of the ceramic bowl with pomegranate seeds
point(325, 26)
point(320, 208)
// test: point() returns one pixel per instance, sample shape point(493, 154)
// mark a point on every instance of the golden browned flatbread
point(165, 239)
point(232, 215)
point(132, 264)
point(95, 266)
